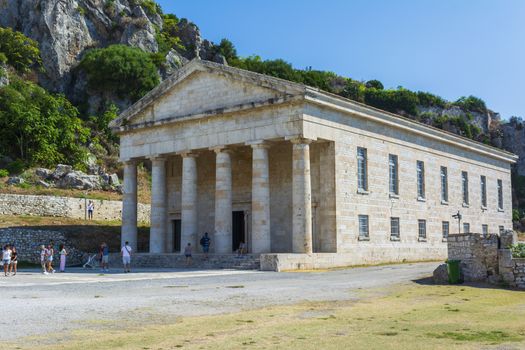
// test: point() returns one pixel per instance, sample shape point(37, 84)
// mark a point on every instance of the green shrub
point(354, 90)
point(374, 84)
point(427, 99)
point(39, 128)
point(227, 49)
point(518, 250)
point(471, 103)
point(4, 173)
point(20, 52)
point(127, 71)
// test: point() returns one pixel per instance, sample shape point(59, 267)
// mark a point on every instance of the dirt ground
point(380, 307)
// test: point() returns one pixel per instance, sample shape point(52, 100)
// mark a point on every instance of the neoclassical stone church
point(301, 176)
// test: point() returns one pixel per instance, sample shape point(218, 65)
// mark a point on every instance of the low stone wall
point(478, 255)
point(68, 207)
point(376, 255)
point(486, 258)
point(27, 243)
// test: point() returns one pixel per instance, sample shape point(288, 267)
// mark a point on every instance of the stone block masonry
point(27, 243)
point(66, 207)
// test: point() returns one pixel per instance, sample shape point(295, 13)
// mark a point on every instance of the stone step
point(246, 262)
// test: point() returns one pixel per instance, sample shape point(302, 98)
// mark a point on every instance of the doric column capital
point(299, 140)
point(258, 144)
point(129, 161)
point(158, 158)
point(188, 154)
point(220, 149)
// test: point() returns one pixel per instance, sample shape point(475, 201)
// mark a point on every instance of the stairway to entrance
point(226, 261)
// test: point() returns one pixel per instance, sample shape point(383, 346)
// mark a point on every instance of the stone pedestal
point(157, 238)
point(189, 201)
point(301, 197)
point(129, 205)
point(261, 239)
point(223, 202)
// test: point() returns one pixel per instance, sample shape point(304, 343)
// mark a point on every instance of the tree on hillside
point(227, 49)
point(127, 71)
point(21, 52)
point(39, 128)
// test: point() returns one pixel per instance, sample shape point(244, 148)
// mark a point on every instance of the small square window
point(422, 229)
point(445, 229)
point(466, 227)
point(394, 229)
point(485, 230)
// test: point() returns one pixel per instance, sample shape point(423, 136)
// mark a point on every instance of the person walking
point(6, 258)
point(205, 243)
point(90, 209)
point(105, 257)
point(43, 259)
point(14, 261)
point(125, 252)
point(50, 253)
point(63, 254)
point(187, 254)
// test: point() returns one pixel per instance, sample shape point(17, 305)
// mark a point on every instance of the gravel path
point(80, 299)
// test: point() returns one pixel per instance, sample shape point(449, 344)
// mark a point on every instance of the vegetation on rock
point(18, 51)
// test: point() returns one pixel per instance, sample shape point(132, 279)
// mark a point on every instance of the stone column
point(223, 202)
point(158, 206)
point(261, 241)
point(189, 201)
point(129, 205)
point(301, 197)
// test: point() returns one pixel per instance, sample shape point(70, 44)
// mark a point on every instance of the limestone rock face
point(65, 29)
point(79, 180)
point(4, 78)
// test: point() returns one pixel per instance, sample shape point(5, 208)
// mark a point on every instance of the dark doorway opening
point(176, 235)
point(237, 229)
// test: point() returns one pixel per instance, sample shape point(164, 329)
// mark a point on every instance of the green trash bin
point(453, 271)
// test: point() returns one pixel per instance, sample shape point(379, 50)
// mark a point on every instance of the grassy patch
point(408, 317)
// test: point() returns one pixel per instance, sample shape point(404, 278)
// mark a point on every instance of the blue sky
point(448, 47)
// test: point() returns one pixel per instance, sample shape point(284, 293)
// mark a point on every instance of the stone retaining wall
point(28, 241)
point(68, 207)
point(487, 258)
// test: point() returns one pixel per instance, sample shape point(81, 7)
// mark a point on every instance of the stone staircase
point(226, 261)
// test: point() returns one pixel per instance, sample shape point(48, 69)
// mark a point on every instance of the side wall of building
point(350, 132)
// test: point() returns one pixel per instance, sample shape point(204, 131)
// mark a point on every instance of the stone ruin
point(484, 258)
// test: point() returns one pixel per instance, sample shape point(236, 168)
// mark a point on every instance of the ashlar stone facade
point(306, 178)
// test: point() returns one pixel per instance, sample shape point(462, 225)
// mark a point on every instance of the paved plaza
point(48, 307)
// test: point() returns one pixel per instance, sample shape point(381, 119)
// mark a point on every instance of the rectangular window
point(420, 179)
point(466, 227)
point(444, 185)
point(394, 228)
point(422, 228)
point(445, 229)
point(464, 185)
point(362, 183)
point(483, 181)
point(363, 226)
point(392, 162)
point(500, 194)
point(501, 229)
point(485, 230)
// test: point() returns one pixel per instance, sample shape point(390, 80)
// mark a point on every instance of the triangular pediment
point(202, 89)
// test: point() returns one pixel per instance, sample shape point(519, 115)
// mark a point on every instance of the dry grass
point(404, 317)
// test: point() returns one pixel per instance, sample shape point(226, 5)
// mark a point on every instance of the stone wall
point(27, 243)
point(478, 255)
point(487, 258)
point(15, 204)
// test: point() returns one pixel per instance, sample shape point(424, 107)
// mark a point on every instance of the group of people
point(205, 242)
point(103, 257)
point(9, 260)
point(47, 255)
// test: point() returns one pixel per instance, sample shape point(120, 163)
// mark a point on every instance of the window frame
point(466, 227)
point(500, 195)
point(484, 229)
point(393, 175)
point(483, 185)
point(443, 225)
point(422, 227)
point(362, 170)
point(443, 172)
point(363, 237)
point(464, 188)
point(395, 236)
point(420, 176)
